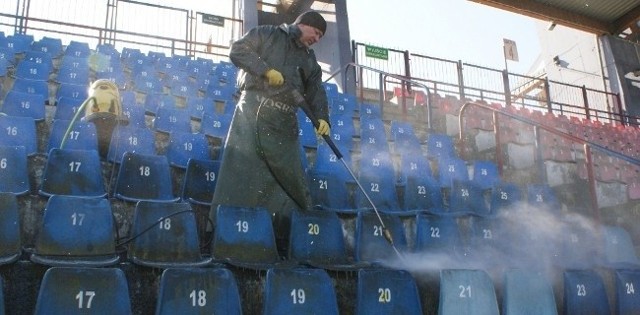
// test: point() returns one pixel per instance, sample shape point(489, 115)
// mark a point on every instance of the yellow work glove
point(323, 128)
point(274, 77)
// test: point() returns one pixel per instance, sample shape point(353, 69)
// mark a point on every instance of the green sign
point(376, 52)
point(212, 19)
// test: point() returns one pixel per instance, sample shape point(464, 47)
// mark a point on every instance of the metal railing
point(473, 82)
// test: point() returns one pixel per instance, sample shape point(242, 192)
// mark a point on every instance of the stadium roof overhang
point(615, 17)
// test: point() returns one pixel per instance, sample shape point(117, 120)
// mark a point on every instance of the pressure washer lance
point(302, 103)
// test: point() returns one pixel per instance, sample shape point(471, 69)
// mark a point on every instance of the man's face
point(310, 35)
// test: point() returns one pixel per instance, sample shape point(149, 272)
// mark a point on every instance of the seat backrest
point(440, 145)
point(172, 119)
point(387, 291)
point(66, 108)
point(451, 169)
point(371, 245)
point(186, 145)
point(485, 174)
point(200, 290)
point(66, 290)
point(627, 301)
point(527, 292)
point(32, 70)
point(504, 196)
point(216, 125)
point(10, 243)
point(466, 291)
point(200, 181)
point(466, 197)
point(306, 131)
point(24, 104)
point(584, 293)
point(76, 231)
point(73, 173)
point(130, 139)
point(619, 250)
point(32, 87)
point(299, 291)
point(317, 239)
point(244, 237)
point(81, 136)
point(172, 240)
point(144, 177)
point(437, 235)
point(19, 131)
point(13, 170)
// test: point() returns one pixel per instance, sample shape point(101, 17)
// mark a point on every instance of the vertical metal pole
point(592, 181)
point(460, 80)
point(507, 88)
point(586, 102)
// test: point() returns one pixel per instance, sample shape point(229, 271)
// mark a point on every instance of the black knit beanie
point(312, 18)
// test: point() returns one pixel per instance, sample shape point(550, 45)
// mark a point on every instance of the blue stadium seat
point(182, 89)
point(115, 74)
point(19, 131)
point(172, 242)
point(81, 136)
point(66, 290)
point(244, 237)
point(329, 191)
point(466, 198)
point(9, 55)
point(404, 137)
point(49, 45)
point(527, 292)
point(504, 196)
point(130, 139)
point(74, 76)
point(77, 49)
point(438, 236)
point(32, 70)
point(370, 110)
point(129, 98)
point(343, 130)
point(156, 101)
point(626, 300)
point(32, 87)
point(13, 170)
point(147, 85)
point(440, 145)
point(306, 131)
point(186, 145)
point(466, 291)
point(216, 125)
point(135, 113)
point(344, 104)
point(371, 245)
point(200, 290)
point(172, 119)
point(373, 135)
point(40, 57)
point(200, 181)
point(574, 244)
point(485, 174)
point(73, 173)
point(24, 104)
point(420, 190)
point(144, 177)
point(618, 248)
point(387, 291)
point(316, 239)
point(377, 177)
point(20, 43)
point(220, 92)
point(584, 293)
point(10, 241)
point(487, 241)
point(76, 232)
point(199, 106)
point(299, 291)
point(451, 169)
point(331, 89)
point(66, 108)
point(77, 92)
point(542, 196)
point(167, 64)
point(226, 72)
point(108, 49)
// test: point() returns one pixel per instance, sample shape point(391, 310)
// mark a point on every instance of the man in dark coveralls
point(261, 163)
